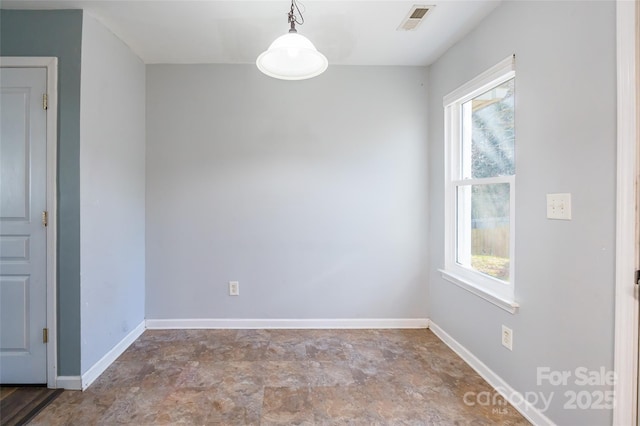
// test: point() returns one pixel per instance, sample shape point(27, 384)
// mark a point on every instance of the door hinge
point(45, 101)
point(636, 285)
point(45, 218)
point(45, 335)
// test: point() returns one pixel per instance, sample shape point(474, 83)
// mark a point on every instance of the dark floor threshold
point(31, 414)
point(23, 385)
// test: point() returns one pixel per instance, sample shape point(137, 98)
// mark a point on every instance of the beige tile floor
point(285, 377)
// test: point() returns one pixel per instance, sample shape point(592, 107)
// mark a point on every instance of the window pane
point(488, 136)
point(482, 229)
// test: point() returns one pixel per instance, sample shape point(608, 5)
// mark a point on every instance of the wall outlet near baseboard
point(234, 288)
point(507, 337)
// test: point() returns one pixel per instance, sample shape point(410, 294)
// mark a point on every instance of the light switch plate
point(559, 206)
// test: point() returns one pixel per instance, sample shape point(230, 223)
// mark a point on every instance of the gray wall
point(565, 142)
point(112, 190)
point(59, 33)
point(312, 194)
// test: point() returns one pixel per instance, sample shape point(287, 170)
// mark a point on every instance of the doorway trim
point(51, 64)
point(626, 303)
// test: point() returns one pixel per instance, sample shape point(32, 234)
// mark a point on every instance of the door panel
point(23, 287)
point(14, 295)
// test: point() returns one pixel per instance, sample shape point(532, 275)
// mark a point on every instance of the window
point(480, 185)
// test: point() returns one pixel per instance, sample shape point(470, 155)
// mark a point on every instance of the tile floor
point(285, 377)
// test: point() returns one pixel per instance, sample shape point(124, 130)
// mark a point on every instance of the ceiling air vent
point(415, 16)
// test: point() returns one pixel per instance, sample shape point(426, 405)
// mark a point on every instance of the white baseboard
point(287, 323)
point(529, 411)
point(99, 367)
point(69, 382)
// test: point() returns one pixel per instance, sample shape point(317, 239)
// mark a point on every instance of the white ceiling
point(237, 31)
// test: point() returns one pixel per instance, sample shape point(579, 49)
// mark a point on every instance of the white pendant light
point(292, 56)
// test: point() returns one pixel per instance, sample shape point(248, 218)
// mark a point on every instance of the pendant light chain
point(293, 18)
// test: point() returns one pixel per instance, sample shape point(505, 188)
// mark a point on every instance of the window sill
point(508, 305)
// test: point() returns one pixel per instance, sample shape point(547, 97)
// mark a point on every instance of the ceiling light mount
point(292, 56)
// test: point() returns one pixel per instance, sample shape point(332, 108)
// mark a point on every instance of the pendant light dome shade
point(292, 57)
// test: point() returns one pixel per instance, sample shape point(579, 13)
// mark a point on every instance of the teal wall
point(59, 33)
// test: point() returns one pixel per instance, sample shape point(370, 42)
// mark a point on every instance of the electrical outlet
point(234, 288)
point(507, 337)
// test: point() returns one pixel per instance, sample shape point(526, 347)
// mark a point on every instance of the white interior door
point(23, 257)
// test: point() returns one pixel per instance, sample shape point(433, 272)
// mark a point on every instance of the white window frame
point(496, 291)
